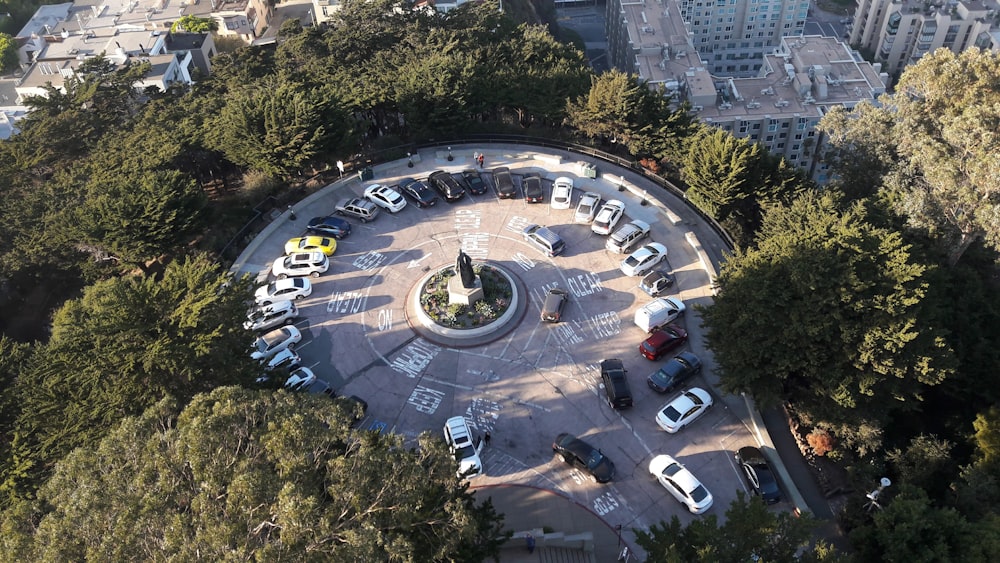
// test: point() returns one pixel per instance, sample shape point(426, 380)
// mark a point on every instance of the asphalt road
point(538, 380)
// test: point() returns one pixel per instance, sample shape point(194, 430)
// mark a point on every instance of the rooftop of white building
point(805, 75)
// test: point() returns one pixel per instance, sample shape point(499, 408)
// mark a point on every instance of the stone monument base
point(457, 293)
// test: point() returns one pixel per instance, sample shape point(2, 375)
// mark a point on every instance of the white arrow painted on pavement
point(416, 263)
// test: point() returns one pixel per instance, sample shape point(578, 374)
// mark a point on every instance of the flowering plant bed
point(496, 299)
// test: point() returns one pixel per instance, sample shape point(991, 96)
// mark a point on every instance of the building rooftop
point(963, 8)
point(665, 55)
point(804, 77)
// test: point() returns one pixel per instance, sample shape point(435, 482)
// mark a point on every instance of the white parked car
point(684, 410)
point(270, 316)
point(644, 259)
point(286, 358)
point(300, 379)
point(607, 217)
point(270, 343)
point(465, 448)
point(385, 197)
point(681, 483)
point(587, 207)
point(289, 288)
point(562, 193)
point(300, 264)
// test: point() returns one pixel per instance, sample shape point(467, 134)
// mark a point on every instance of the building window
point(756, 126)
point(769, 138)
point(781, 145)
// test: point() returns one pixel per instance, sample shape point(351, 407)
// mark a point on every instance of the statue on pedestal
point(463, 267)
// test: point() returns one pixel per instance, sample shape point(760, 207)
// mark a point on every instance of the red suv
point(663, 341)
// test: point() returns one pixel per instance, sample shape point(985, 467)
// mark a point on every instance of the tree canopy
point(124, 345)
point(751, 532)
point(253, 476)
point(935, 145)
point(829, 313)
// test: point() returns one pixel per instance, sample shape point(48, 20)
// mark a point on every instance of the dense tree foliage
point(622, 109)
point(8, 53)
point(829, 313)
point(934, 142)
point(123, 346)
point(252, 476)
point(751, 532)
point(734, 180)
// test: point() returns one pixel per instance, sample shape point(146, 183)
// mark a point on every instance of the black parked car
point(578, 453)
point(446, 185)
point(678, 370)
point(533, 192)
point(474, 182)
point(616, 387)
point(418, 192)
point(330, 226)
point(758, 474)
point(505, 183)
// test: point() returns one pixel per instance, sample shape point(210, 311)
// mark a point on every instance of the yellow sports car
point(326, 245)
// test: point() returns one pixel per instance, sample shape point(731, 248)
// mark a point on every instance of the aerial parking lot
point(526, 385)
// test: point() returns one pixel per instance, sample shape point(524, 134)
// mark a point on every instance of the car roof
point(458, 428)
point(562, 180)
point(685, 401)
point(612, 364)
point(667, 333)
point(577, 446)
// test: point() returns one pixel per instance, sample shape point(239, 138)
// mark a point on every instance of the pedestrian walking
point(340, 166)
point(475, 157)
point(529, 540)
point(481, 159)
point(487, 437)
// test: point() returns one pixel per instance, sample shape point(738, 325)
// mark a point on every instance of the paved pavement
point(540, 379)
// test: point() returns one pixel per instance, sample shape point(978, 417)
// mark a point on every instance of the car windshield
point(671, 470)
point(694, 398)
point(462, 453)
point(632, 261)
point(699, 493)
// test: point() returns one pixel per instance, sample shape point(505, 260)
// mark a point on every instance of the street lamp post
point(409, 160)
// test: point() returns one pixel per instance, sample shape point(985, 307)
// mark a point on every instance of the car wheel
point(314, 274)
point(282, 276)
point(338, 212)
point(300, 296)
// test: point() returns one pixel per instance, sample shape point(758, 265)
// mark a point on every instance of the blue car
point(330, 226)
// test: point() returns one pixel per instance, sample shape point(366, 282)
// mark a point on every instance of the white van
point(658, 313)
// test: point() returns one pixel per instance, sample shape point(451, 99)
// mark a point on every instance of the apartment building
point(796, 83)
point(899, 32)
point(731, 36)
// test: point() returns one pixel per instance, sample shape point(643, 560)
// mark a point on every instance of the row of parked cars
point(275, 310)
point(664, 337)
